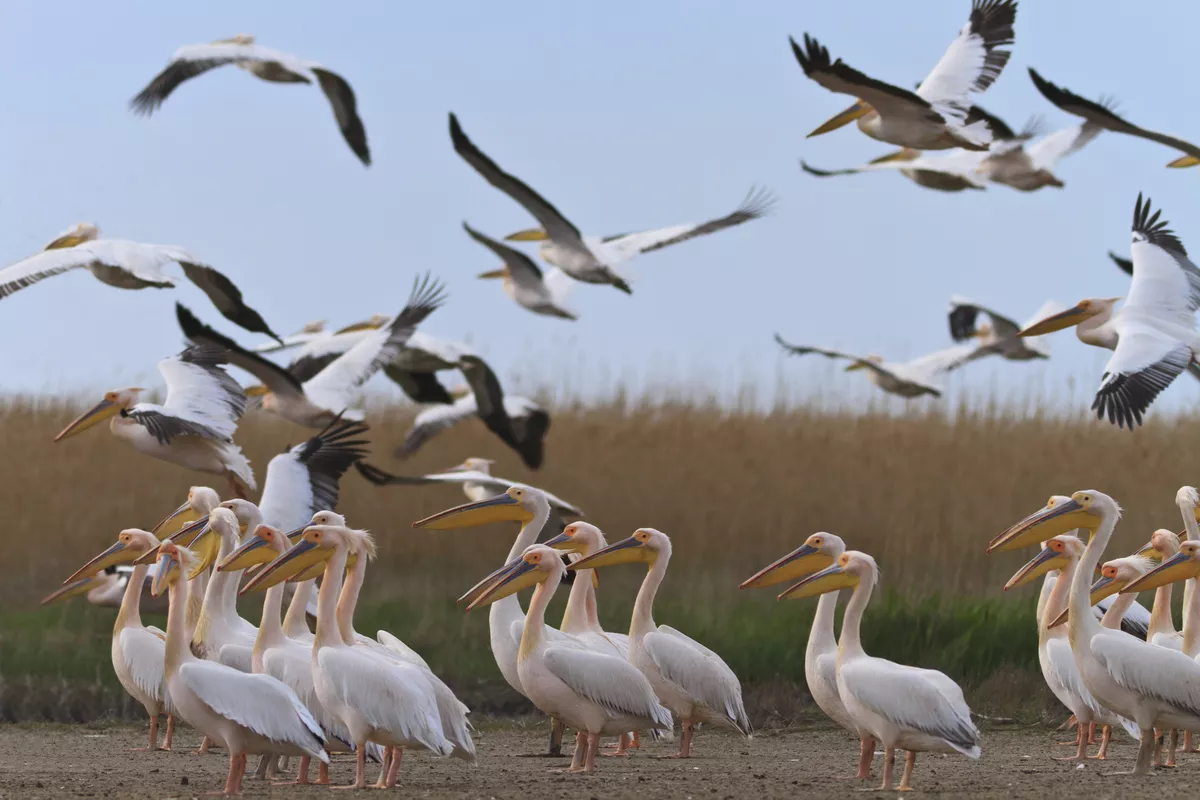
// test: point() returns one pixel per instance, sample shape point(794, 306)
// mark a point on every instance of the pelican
point(1058, 665)
point(321, 398)
point(1102, 115)
point(626, 246)
point(580, 617)
point(524, 282)
point(1153, 337)
point(137, 651)
point(687, 677)
point(905, 379)
point(246, 713)
point(998, 336)
point(1153, 686)
point(313, 356)
point(952, 171)
point(597, 694)
point(571, 251)
point(311, 331)
point(528, 421)
point(192, 428)
point(1029, 166)
point(104, 589)
point(935, 116)
point(473, 474)
point(918, 710)
point(261, 62)
point(130, 265)
point(818, 552)
point(388, 703)
point(221, 634)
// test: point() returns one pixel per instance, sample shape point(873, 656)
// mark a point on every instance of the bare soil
point(95, 761)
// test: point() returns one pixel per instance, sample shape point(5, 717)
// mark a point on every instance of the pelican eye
point(1109, 572)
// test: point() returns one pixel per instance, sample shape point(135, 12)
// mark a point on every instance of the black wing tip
point(813, 56)
point(1125, 264)
point(428, 292)
point(1156, 231)
point(145, 103)
point(373, 474)
point(962, 321)
point(759, 201)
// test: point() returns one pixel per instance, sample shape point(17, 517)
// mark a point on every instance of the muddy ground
point(93, 761)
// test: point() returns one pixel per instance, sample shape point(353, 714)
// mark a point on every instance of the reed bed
point(922, 488)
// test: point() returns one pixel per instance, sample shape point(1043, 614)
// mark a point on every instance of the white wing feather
point(699, 673)
point(610, 682)
point(1150, 671)
point(144, 653)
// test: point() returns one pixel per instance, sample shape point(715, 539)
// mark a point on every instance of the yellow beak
point(494, 273)
point(529, 235)
point(166, 574)
point(567, 544)
point(1178, 567)
point(176, 520)
point(1042, 525)
point(903, 154)
point(1056, 322)
point(501, 508)
point(256, 551)
point(72, 239)
point(117, 554)
point(626, 551)
point(72, 589)
point(1184, 161)
point(859, 109)
point(520, 576)
point(299, 558)
point(804, 560)
point(93, 416)
point(827, 580)
point(1038, 566)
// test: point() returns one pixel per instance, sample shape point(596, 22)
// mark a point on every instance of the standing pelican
point(1153, 336)
point(524, 282)
point(935, 116)
point(266, 64)
point(908, 379)
point(595, 693)
point(918, 710)
point(192, 428)
point(688, 678)
point(818, 552)
point(245, 713)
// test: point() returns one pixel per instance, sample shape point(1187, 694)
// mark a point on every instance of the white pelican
point(316, 354)
point(182, 526)
point(907, 379)
point(1029, 166)
point(321, 398)
point(388, 703)
point(934, 117)
point(1153, 336)
point(137, 651)
point(261, 62)
point(130, 265)
point(528, 420)
point(1102, 115)
point(473, 474)
point(998, 336)
point(918, 710)
point(245, 713)
point(523, 281)
point(687, 677)
point(192, 428)
point(571, 252)
point(818, 552)
point(221, 633)
point(1153, 686)
point(1184, 565)
point(626, 246)
point(597, 694)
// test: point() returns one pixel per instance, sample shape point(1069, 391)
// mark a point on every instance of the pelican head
point(518, 504)
point(1181, 566)
point(537, 564)
point(496, 273)
point(75, 588)
point(131, 543)
point(244, 511)
point(78, 234)
point(113, 404)
point(1061, 514)
point(1080, 312)
point(579, 537)
point(859, 109)
point(845, 573)
point(264, 546)
point(1163, 544)
point(317, 544)
point(220, 527)
point(873, 358)
point(173, 562)
point(200, 501)
point(644, 546)
point(818, 552)
point(483, 465)
point(528, 235)
point(1057, 552)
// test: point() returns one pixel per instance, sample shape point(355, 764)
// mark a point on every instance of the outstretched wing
point(345, 110)
point(974, 59)
point(227, 298)
point(270, 374)
point(757, 203)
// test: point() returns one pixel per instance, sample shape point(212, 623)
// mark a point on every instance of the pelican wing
point(1144, 363)
point(40, 266)
point(521, 267)
point(432, 421)
point(332, 387)
point(398, 647)
point(227, 298)
point(530, 424)
point(958, 164)
point(1151, 671)
point(1103, 116)
point(609, 682)
point(345, 110)
point(1061, 663)
point(144, 653)
point(1046, 152)
point(323, 351)
point(931, 365)
point(202, 399)
point(1001, 131)
point(1124, 264)
point(237, 656)
point(909, 698)
point(974, 59)
point(295, 672)
point(963, 316)
point(1166, 284)
point(270, 374)
point(757, 203)
point(489, 398)
point(1136, 621)
point(301, 337)
point(258, 702)
point(556, 226)
point(798, 350)
point(420, 387)
point(381, 478)
point(700, 673)
point(305, 479)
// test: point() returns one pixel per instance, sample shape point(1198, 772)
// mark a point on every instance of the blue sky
point(626, 115)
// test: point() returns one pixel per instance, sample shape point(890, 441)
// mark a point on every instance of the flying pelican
point(388, 703)
point(261, 62)
point(130, 265)
point(935, 116)
point(918, 710)
point(318, 400)
point(687, 677)
point(1029, 166)
point(524, 282)
point(192, 428)
point(998, 336)
point(819, 552)
point(137, 651)
point(626, 246)
point(1153, 336)
point(952, 171)
point(597, 694)
point(1102, 115)
point(906, 379)
point(310, 332)
point(324, 348)
point(475, 477)
point(246, 713)
point(571, 251)
point(1153, 686)
point(529, 423)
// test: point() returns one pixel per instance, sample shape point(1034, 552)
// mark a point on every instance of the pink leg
point(910, 761)
point(1080, 749)
point(237, 768)
point(1105, 738)
point(637, 741)
point(866, 752)
point(685, 745)
point(360, 768)
point(170, 734)
point(388, 754)
point(593, 745)
point(580, 752)
point(202, 750)
point(889, 764)
point(302, 773)
point(622, 747)
point(153, 735)
point(1091, 733)
point(1172, 748)
point(323, 774)
point(394, 767)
